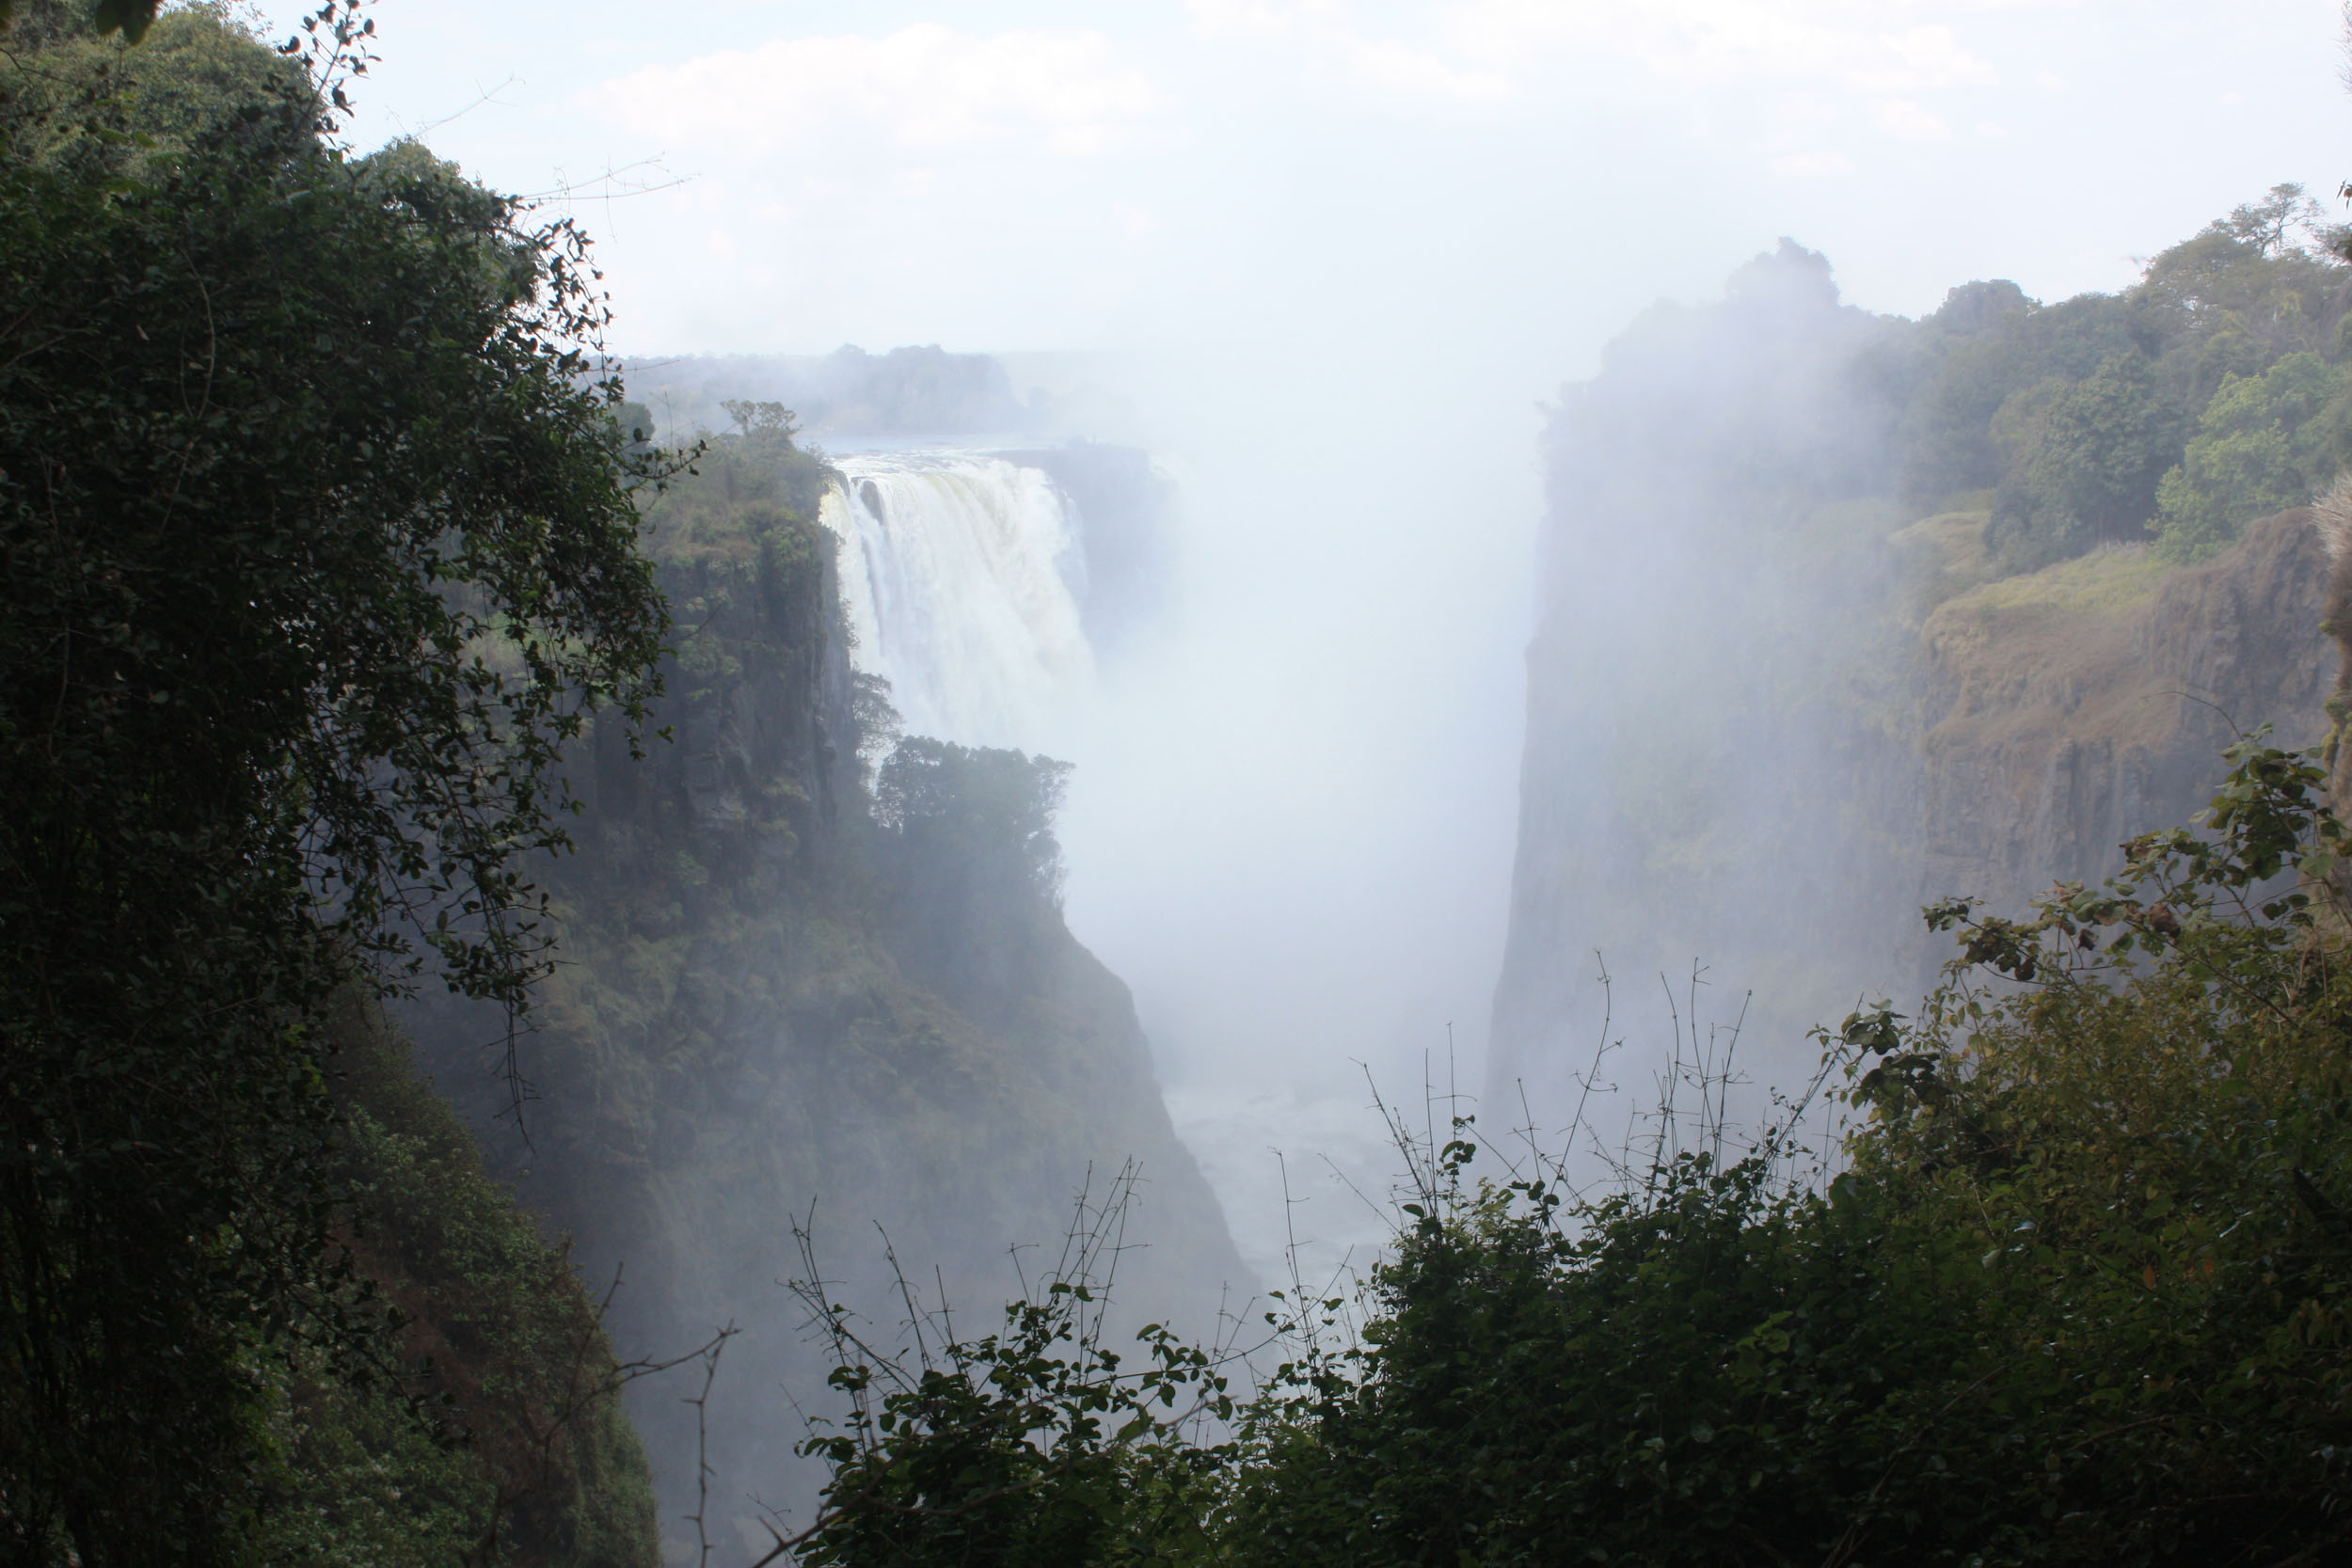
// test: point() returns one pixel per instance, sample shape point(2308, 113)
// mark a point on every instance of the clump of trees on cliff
point(2210, 394)
point(2080, 1292)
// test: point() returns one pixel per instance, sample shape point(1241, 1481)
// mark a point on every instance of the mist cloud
point(923, 88)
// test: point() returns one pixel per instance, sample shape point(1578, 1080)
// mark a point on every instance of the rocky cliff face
point(1843, 614)
point(2068, 711)
point(765, 1012)
point(1773, 709)
point(2011, 735)
point(1716, 736)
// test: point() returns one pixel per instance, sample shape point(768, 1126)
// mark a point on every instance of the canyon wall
point(777, 1001)
point(1841, 615)
point(2069, 710)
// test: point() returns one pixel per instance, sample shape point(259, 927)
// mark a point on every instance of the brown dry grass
point(2076, 646)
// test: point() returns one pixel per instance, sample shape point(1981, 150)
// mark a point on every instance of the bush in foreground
point(2076, 1294)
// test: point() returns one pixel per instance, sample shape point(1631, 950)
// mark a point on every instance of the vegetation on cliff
point(1844, 609)
point(2209, 394)
point(2072, 1289)
point(808, 959)
point(501, 1440)
point(318, 551)
point(327, 596)
point(338, 595)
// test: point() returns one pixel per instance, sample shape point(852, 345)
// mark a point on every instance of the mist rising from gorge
point(1249, 884)
point(1337, 322)
point(1289, 829)
point(1330, 295)
point(1293, 716)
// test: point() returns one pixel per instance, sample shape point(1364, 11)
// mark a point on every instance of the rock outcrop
point(2063, 715)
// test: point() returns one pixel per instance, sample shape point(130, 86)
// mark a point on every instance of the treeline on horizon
point(324, 546)
point(2212, 392)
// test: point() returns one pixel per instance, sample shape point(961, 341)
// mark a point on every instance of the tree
point(991, 807)
point(2088, 457)
point(2270, 224)
point(762, 419)
point(320, 546)
point(131, 18)
point(2261, 445)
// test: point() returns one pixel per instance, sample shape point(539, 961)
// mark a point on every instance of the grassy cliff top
point(1950, 573)
point(2106, 583)
point(2099, 645)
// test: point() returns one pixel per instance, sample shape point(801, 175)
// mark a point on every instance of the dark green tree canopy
point(320, 545)
point(2066, 417)
point(979, 803)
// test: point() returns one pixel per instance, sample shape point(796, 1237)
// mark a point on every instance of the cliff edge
point(2067, 710)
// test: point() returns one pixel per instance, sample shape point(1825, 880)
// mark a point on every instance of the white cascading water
point(961, 575)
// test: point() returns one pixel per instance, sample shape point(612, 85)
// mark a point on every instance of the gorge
point(886, 958)
point(1785, 691)
point(783, 1000)
point(1783, 694)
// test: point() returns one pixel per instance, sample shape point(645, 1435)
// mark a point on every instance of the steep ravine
point(773, 1004)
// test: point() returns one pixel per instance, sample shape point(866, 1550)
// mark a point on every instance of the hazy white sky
point(1520, 174)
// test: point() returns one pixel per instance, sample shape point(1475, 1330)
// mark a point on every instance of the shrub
point(2078, 1295)
point(2264, 444)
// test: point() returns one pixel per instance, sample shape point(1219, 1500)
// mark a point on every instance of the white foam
point(961, 575)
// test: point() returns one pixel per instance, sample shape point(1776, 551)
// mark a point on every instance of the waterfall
point(961, 577)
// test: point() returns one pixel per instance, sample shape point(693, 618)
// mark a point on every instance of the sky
point(1350, 247)
point(1522, 174)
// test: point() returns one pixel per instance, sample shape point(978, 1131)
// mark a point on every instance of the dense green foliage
point(318, 551)
point(961, 801)
point(2084, 459)
point(505, 1442)
point(966, 848)
point(2074, 1298)
point(1036, 1444)
point(2078, 1295)
point(2208, 395)
point(2264, 444)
